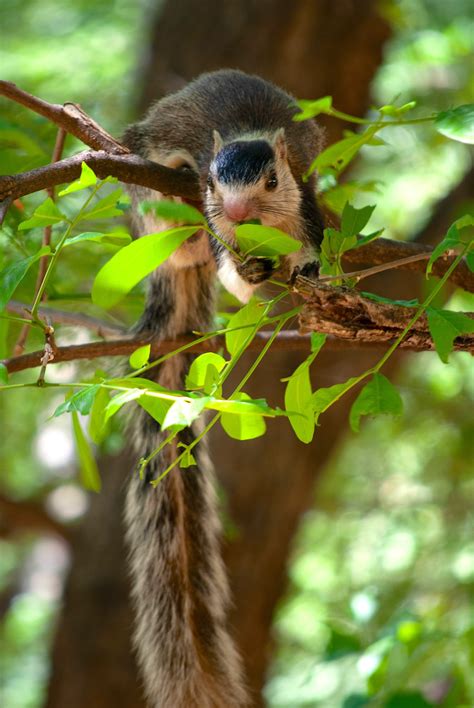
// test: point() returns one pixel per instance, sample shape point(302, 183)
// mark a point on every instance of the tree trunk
point(312, 48)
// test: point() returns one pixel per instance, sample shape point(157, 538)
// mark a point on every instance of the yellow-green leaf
point(89, 471)
point(134, 262)
point(378, 396)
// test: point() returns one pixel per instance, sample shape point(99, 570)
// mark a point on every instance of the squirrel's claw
point(256, 270)
point(308, 270)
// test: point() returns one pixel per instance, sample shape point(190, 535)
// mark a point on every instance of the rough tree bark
point(312, 48)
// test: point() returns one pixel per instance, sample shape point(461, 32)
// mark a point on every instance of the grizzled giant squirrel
point(236, 132)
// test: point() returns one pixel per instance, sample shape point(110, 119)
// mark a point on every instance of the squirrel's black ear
point(218, 142)
point(279, 144)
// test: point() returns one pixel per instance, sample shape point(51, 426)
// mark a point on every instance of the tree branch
point(77, 319)
point(346, 314)
point(70, 117)
point(114, 159)
point(27, 515)
point(131, 169)
point(384, 250)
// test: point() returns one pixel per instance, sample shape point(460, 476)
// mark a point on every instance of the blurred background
point(351, 559)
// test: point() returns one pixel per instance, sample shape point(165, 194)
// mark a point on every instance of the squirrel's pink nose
point(236, 209)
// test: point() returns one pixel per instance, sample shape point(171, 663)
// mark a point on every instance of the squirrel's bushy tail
point(180, 590)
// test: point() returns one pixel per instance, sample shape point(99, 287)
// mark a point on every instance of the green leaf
point(131, 264)
point(115, 238)
point(453, 239)
point(173, 211)
point(247, 315)
point(97, 422)
point(187, 460)
point(47, 214)
point(378, 396)
point(116, 402)
point(370, 237)
point(243, 427)
point(395, 111)
point(353, 220)
point(104, 208)
point(87, 179)
point(470, 260)
point(298, 395)
point(140, 357)
point(310, 109)
point(3, 375)
point(457, 123)
point(408, 699)
point(13, 274)
point(156, 407)
point(336, 195)
point(265, 241)
point(389, 301)
point(338, 155)
point(445, 326)
point(80, 402)
point(317, 342)
point(89, 471)
point(325, 397)
point(183, 412)
point(198, 376)
point(254, 406)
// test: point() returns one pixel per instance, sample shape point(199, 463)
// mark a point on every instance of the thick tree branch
point(29, 516)
point(349, 318)
point(127, 168)
point(70, 116)
point(346, 314)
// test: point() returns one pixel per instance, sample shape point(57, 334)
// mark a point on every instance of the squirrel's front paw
point(256, 270)
point(308, 270)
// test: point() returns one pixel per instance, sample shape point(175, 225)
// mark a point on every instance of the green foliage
point(173, 211)
point(13, 274)
point(204, 372)
point(3, 374)
point(134, 262)
point(89, 471)
point(140, 357)
point(445, 326)
point(80, 402)
point(238, 332)
point(455, 238)
point(298, 403)
point(265, 241)
point(377, 396)
point(243, 427)
point(45, 215)
point(87, 179)
point(457, 123)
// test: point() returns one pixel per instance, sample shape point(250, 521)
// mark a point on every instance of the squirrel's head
point(251, 179)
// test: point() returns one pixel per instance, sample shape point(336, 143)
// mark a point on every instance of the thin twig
point(43, 263)
point(360, 274)
point(77, 319)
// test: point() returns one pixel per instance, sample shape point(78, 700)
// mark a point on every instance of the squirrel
point(236, 132)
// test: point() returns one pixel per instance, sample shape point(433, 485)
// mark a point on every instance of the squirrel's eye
point(210, 183)
point(272, 182)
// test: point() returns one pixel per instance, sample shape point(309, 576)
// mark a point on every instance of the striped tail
point(180, 590)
